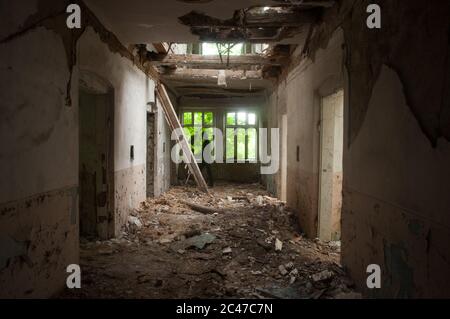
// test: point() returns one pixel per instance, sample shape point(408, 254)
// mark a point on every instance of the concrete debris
point(227, 255)
point(134, 221)
point(289, 265)
point(294, 272)
point(259, 200)
point(322, 276)
point(278, 245)
point(165, 241)
point(334, 244)
point(227, 251)
point(133, 224)
point(282, 270)
point(199, 241)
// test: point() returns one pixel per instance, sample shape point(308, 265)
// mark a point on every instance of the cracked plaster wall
point(39, 138)
point(396, 152)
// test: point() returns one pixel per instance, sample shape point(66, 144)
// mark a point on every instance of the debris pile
point(237, 242)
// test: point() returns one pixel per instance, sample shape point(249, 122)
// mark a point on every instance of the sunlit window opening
point(213, 48)
point(195, 123)
point(241, 136)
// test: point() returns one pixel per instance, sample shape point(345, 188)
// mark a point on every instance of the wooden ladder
point(174, 123)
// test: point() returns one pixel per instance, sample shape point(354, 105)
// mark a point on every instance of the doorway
point(96, 163)
point(150, 154)
point(330, 174)
point(284, 148)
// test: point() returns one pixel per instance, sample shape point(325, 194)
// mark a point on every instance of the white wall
point(38, 159)
point(39, 153)
point(162, 152)
point(36, 126)
point(300, 94)
point(132, 91)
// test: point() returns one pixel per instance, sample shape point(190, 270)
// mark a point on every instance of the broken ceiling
point(143, 21)
point(190, 21)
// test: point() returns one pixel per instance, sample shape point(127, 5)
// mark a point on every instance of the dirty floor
point(246, 245)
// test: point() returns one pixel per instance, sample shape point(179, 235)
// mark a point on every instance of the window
point(194, 124)
point(241, 136)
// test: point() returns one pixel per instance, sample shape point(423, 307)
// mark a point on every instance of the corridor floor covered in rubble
point(323, 127)
point(244, 245)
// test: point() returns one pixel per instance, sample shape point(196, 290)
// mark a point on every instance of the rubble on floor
point(249, 247)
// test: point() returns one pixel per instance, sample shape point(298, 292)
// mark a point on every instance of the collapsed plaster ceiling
point(148, 21)
point(144, 22)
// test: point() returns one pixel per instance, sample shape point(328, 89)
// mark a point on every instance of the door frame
point(91, 83)
point(340, 91)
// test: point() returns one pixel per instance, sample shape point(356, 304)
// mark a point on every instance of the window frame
point(202, 126)
point(242, 126)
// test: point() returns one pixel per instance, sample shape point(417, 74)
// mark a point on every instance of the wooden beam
point(196, 61)
point(218, 91)
point(161, 47)
point(186, 74)
point(174, 123)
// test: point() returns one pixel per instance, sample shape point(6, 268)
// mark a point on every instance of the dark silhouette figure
point(207, 166)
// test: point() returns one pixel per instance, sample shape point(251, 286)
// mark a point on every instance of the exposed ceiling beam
point(251, 18)
point(195, 61)
point(161, 47)
point(192, 74)
point(217, 91)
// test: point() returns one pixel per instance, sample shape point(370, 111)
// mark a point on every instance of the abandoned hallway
point(251, 149)
point(173, 251)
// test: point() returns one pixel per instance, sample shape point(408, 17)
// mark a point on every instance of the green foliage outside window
point(241, 136)
point(196, 123)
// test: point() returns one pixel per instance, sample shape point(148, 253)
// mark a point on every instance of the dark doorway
point(151, 154)
point(96, 163)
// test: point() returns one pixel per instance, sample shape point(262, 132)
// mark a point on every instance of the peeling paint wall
point(396, 201)
point(150, 179)
point(132, 91)
point(299, 94)
point(162, 152)
point(396, 153)
point(396, 173)
point(38, 161)
point(39, 137)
